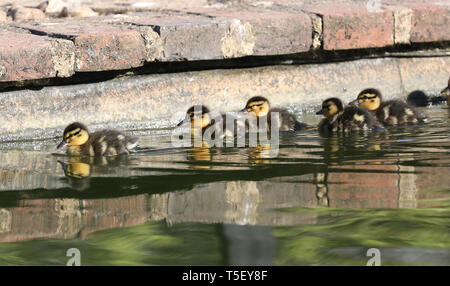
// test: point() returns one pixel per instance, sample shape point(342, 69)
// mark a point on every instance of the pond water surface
point(321, 201)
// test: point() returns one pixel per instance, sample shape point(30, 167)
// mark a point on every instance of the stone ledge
point(161, 100)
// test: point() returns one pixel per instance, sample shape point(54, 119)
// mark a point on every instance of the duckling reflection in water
point(78, 174)
point(260, 154)
point(337, 146)
point(76, 170)
point(101, 143)
point(392, 112)
point(260, 107)
point(80, 168)
point(350, 118)
point(200, 155)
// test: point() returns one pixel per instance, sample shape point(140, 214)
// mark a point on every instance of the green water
point(321, 201)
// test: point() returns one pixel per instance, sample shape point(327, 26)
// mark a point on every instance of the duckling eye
point(372, 100)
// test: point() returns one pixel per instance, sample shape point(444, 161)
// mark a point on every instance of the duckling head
point(446, 91)
point(331, 107)
point(76, 134)
point(198, 116)
point(417, 98)
point(258, 105)
point(369, 99)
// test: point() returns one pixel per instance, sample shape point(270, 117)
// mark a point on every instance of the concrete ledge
point(147, 101)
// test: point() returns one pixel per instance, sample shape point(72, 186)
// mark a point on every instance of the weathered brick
point(183, 37)
point(354, 26)
point(430, 23)
point(275, 32)
point(98, 46)
point(26, 57)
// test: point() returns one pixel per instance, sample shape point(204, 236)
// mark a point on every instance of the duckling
point(392, 112)
point(419, 98)
point(260, 106)
point(204, 122)
point(101, 143)
point(350, 118)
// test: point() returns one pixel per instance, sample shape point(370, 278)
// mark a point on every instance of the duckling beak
point(61, 144)
point(353, 102)
point(183, 121)
point(320, 112)
point(244, 110)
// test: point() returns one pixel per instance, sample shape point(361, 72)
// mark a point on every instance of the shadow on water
point(321, 200)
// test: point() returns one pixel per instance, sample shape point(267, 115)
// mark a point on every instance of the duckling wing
point(371, 121)
point(287, 121)
point(397, 112)
point(112, 142)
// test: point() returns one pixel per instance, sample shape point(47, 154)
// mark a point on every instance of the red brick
point(98, 46)
point(276, 32)
point(430, 23)
point(354, 27)
point(184, 37)
point(25, 56)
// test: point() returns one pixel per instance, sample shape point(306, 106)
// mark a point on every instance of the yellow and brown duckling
point(346, 119)
point(199, 118)
point(81, 142)
point(392, 112)
point(204, 122)
point(260, 107)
